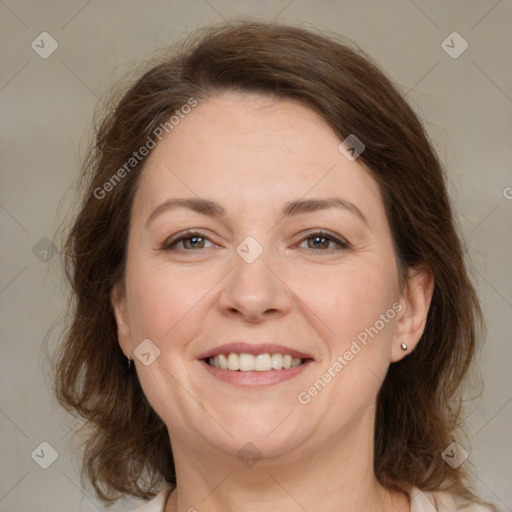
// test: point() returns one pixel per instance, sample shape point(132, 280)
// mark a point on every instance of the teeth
point(262, 362)
point(221, 361)
point(247, 362)
point(277, 361)
point(233, 362)
point(259, 363)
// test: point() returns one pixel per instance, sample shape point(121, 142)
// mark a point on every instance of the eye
point(191, 240)
point(321, 240)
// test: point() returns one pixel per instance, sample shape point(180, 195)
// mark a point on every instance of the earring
point(403, 346)
point(129, 362)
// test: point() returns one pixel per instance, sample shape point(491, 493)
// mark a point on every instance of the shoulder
point(157, 504)
point(441, 501)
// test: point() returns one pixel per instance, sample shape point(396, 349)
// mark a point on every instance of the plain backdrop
point(47, 107)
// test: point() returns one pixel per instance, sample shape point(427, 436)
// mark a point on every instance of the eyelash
point(169, 246)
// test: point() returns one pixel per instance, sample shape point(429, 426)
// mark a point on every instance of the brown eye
point(322, 240)
point(193, 242)
point(319, 242)
point(190, 241)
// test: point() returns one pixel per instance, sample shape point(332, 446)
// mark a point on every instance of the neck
point(335, 475)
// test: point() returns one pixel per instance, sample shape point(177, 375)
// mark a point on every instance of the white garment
point(420, 502)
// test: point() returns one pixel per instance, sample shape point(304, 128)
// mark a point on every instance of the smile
point(254, 371)
point(249, 362)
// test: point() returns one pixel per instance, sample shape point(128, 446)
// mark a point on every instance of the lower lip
point(255, 379)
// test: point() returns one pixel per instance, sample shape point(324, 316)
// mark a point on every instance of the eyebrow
point(292, 208)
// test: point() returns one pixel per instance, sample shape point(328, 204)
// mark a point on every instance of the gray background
point(47, 107)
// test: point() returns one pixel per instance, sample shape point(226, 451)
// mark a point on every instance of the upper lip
point(241, 347)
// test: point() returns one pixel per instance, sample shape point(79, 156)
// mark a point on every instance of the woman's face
point(297, 252)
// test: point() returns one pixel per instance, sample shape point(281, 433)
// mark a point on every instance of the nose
point(255, 290)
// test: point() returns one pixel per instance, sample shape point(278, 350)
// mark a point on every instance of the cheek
point(349, 298)
point(356, 305)
point(160, 299)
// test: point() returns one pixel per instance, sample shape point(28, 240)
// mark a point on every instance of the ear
point(415, 303)
point(118, 301)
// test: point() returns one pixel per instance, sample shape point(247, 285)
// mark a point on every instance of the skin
point(252, 154)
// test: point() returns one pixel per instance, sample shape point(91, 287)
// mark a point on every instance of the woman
point(272, 308)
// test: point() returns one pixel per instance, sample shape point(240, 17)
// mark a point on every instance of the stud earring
point(403, 346)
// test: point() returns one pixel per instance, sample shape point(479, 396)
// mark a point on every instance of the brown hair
point(127, 450)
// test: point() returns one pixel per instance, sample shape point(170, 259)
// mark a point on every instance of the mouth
point(246, 365)
point(244, 362)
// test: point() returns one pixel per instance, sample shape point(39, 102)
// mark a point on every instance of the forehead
point(241, 125)
point(241, 146)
